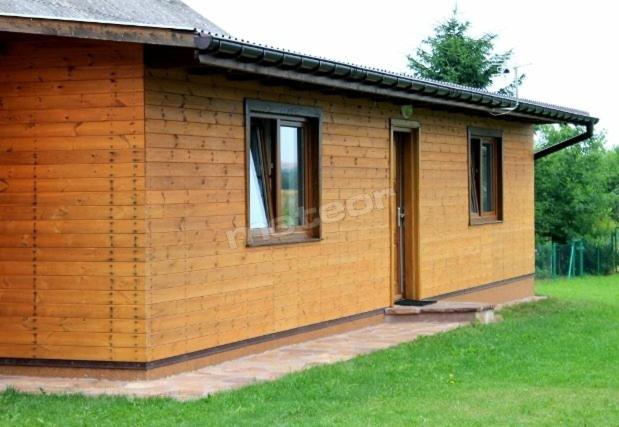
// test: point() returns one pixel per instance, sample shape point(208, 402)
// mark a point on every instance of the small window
point(485, 176)
point(283, 165)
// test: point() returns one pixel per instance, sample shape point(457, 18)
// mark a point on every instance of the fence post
point(571, 263)
point(553, 260)
point(615, 250)
point(581, 257)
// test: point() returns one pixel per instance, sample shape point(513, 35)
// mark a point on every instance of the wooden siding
point(118, 194)
point(71, 200)
point(453, 254)
point(207, 293)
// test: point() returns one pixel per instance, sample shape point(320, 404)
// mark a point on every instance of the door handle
point(400, 214)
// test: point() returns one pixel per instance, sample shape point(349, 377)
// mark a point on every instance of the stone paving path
point(265, 366)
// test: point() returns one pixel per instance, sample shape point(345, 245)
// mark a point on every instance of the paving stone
point(243, 371)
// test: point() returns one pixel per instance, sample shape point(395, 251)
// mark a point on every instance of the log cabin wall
point(117, 195)
point(453, 254)
point(206, 293)
point(71, 200)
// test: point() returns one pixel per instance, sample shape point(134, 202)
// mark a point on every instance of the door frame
point(411, 266)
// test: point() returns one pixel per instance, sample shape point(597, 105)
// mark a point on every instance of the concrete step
point(442, 311)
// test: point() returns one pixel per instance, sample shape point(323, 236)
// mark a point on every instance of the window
point(485, 175)
point(283, 164)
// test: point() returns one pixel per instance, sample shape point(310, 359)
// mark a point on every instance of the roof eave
point(226, 52)
point(370, 90)
point(238, 55)
point(134, 33)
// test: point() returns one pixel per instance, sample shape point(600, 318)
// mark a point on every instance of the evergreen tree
point(452, 55)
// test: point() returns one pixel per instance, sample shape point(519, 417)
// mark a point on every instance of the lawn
point(555, 362)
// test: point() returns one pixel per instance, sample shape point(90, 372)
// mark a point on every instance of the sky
point(565, 47)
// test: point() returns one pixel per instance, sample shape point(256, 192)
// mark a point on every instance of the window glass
point(487, 178)
point(291, 176)
point(474, 176)
point(257, 208)
point(283, 164)
point(259, 171)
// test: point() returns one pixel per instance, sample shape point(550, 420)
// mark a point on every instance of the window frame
point(494, 137)
point(310, 119)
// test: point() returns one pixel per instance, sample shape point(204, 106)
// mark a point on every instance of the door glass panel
point(291, 176)
point(487, 177)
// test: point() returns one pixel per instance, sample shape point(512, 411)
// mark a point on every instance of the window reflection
point(291, 176)
point(487, 174)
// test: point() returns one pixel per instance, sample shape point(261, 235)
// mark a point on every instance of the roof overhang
point(180, 37)
point(225, 52)
point(233, 54)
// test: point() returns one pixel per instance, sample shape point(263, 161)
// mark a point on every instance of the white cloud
point(568, 43)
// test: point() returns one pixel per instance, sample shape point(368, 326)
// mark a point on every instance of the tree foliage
point(453, 55)
point(613, 180)
point(576, 189)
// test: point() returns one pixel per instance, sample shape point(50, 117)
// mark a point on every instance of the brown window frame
point(309, 120)
point(477, 138)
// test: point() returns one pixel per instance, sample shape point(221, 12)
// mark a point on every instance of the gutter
point(230, 53)
point(564, 144)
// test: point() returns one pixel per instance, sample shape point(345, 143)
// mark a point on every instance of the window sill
point(484, 221)
point(281, 240)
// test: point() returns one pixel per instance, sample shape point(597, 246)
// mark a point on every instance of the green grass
point(551, 363)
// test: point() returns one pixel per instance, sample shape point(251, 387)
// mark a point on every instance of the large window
point(485, 175)
point(283, 164)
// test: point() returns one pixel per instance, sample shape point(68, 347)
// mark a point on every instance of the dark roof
point(229, 52)
point(172, 14)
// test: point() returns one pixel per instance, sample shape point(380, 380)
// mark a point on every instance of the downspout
point(564, 144)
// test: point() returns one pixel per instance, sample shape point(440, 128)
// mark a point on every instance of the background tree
point(612, 161)
point(574, 197)
point(576, 189)
point(453, 55)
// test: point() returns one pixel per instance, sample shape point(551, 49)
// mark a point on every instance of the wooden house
point(172, 196)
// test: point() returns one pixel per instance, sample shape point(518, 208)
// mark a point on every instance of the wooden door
point(405, 212)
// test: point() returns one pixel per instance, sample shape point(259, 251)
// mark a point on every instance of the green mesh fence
point(577, 258)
